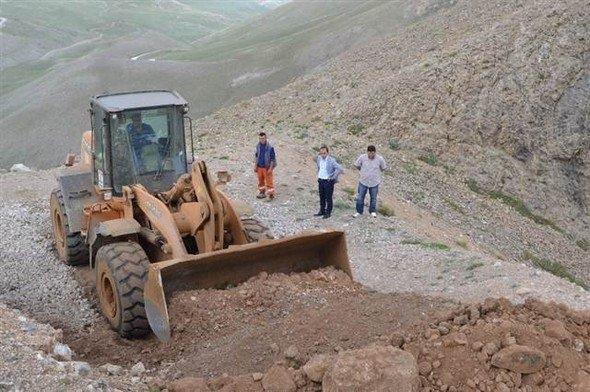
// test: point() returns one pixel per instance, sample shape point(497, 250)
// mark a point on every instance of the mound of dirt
point(290, 323)
point(492, 346)
point(249, 327)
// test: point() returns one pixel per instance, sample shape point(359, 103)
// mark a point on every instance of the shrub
point(430, 159)
point(394, 144)
point(462, 243)
point(355, 129)
point(554, 268)
point(385, 210)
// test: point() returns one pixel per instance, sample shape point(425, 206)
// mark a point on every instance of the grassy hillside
point(39, 35)
point(236, 63)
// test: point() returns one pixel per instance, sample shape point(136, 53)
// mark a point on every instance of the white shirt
point(370, 169)
point(322, 172)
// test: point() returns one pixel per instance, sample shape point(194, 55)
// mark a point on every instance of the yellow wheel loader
point(150, 220)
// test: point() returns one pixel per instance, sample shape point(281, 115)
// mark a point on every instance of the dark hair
point(371, 148)
point(262, 134)
point(325, 146)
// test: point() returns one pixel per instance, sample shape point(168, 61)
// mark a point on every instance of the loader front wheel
point(255, 230)
point(121, 273)
point(71, 247)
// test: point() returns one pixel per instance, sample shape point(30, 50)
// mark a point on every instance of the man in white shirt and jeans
point(328, 172)
point(370, 165)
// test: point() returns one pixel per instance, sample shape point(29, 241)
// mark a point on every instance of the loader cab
point(138, 138)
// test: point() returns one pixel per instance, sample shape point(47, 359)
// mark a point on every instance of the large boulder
point(316, 367)
point(519, 359)
point(373, 368)
point(278, 379)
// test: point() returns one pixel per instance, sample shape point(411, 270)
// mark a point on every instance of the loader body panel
point(76, 185)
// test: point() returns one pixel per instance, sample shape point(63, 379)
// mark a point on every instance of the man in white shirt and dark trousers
point(370, 165)
point(328, 172)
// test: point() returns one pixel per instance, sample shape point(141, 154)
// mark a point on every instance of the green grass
point(474, 265)
point(350, 191)
point(340, 204)
point(385, 210)
point(430, 159)
point(517, 204)
point(394, 144)
point(472, 185)
point(462, 243)
point(523, 210)
point(455, 206)
point(554, 268)
point(426, 245)
point(410, 168)
point(583, 243)
point(356, 129)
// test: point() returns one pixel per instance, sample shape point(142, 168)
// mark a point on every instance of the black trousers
point(326, 189)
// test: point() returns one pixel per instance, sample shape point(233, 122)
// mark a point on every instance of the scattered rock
point(138, 369)
point(373, 368)
point(19, 167)
point(316, 367)
point(291, 352)
point(578, 345)
point(397, 339)
point(555, 329)
point(461, 320)
point(519, 359)
point(278, 379)
point(62, 352)
point(113, 370)
point(81, 368)
point(444, 328)
point(274, 348)
point(490, 349)
point(189, 384)
point(424, 368)
point(257, 376)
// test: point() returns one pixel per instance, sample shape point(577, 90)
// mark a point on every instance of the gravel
point(31, 278)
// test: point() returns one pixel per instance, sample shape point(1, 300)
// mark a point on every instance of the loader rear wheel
point(71, 247)
point(255, 230)
point(121, 273)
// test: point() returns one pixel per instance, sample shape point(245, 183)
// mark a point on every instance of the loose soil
point(225, 335)
point(246, 328)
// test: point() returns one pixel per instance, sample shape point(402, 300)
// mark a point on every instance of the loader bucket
point(299, 253)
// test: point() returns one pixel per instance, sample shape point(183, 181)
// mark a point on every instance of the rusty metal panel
point(77, 189)
point(118, 227)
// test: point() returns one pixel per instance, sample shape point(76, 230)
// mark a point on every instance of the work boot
point(271, 196)
point(261, 195)
point(319, 214)
point(326, 216)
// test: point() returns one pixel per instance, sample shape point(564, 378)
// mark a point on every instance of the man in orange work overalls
point(265, 160)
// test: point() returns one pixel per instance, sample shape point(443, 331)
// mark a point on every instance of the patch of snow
point(250, 76)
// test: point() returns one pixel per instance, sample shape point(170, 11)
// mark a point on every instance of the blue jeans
point(360, 199)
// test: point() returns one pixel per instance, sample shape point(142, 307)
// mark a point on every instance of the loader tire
point(121, 273)
point(71, 247)
point(255, 230)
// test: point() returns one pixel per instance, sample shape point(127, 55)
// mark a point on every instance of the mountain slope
point(481, 109)
point(261, 55)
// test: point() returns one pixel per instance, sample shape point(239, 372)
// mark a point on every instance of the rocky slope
point(482, 111)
